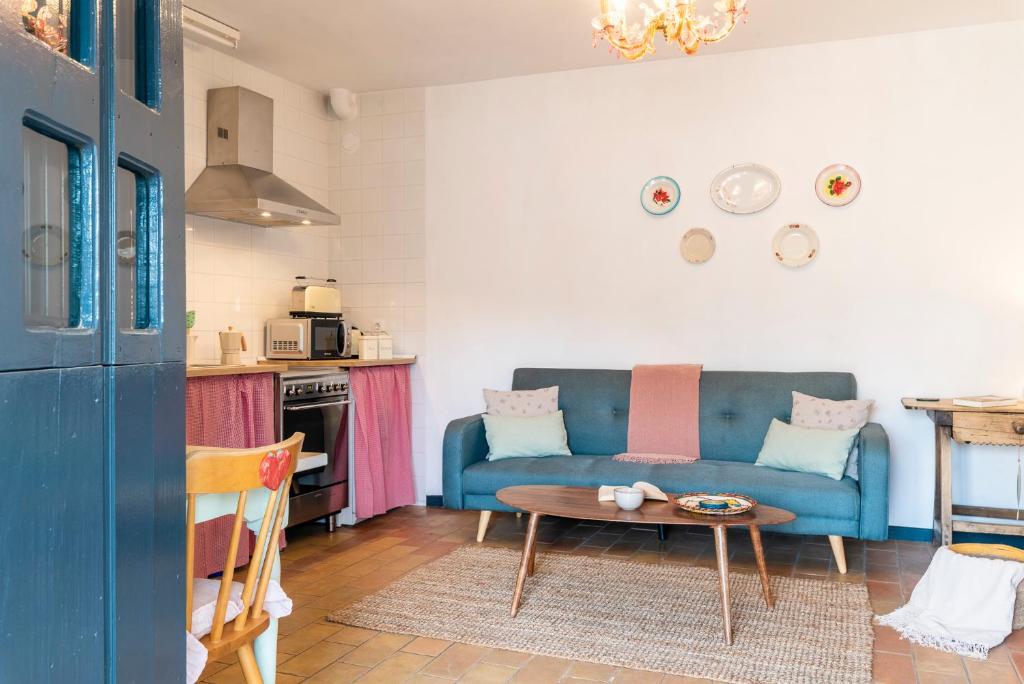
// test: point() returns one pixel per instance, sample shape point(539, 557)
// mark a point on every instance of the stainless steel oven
point(316, 403)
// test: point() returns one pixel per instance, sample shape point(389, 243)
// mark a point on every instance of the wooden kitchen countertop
point(947, 405)
point(343, 363)
point(243, 369)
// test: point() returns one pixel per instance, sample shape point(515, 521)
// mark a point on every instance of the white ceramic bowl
point(628, 498)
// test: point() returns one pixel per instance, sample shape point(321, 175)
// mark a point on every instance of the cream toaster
point(308, 298)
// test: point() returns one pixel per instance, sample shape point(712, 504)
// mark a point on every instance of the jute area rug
point(665, 618)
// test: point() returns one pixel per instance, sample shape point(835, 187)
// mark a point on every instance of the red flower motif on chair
point(274, 468)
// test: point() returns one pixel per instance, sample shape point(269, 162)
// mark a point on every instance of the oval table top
point(581, 503)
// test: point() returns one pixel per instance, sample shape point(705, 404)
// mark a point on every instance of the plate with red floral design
point(837, 185)
point(660, 195)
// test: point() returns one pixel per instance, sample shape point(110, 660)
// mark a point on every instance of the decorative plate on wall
point(837, 185)
point(660, 195)
point(795, 245)
point(745, 188)
point(697, 245)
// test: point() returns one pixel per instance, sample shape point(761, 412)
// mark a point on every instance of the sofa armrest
point(465, 443)
point(874, 483)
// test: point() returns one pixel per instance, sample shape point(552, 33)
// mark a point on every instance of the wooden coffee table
point(581, 503)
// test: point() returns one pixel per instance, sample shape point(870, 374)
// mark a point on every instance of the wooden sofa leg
point(837, 550)
point(481, 528)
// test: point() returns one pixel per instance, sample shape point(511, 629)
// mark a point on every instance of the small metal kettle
point(232, 344)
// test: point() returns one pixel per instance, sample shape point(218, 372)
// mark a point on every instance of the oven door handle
point(310, 407)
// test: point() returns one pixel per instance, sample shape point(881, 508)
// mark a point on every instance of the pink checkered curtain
point(236, 412)
point(383, 439)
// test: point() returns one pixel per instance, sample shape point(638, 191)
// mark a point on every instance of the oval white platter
point(660, 195)
point(697, 245)
point(837, 185)
point(745, 188)
point(795, 245)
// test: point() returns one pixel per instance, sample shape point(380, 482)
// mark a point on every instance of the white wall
point(538, 252)
point(238, 274)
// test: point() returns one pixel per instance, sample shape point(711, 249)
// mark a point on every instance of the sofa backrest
point(736, 407)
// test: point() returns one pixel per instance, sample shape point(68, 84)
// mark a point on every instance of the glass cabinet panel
point(138, 50)
point(49, 21)
point(139, 241)
point(48, 250)
point(127, 263)
point(65, 26)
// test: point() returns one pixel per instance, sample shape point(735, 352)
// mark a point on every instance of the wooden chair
point(231, 471)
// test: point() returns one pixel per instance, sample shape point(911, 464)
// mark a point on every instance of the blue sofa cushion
point(736, 407)
point(801, 493)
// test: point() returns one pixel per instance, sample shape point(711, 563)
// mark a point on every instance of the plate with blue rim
point(660, 195)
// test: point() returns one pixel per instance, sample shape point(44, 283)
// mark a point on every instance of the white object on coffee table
point(629, 498)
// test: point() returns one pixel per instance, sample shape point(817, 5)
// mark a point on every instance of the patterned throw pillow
point(522, 403)
point(826, 414)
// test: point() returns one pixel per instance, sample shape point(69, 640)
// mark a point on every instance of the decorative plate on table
point(837, 185)
point(660, 195)
point(714, 504)
point(745, 188)
point(697, 245)
point(795, 245)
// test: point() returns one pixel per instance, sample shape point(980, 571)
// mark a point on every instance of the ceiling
point(368, 45)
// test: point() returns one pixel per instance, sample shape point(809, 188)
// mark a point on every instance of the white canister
point(385, 346)
point(368, 348)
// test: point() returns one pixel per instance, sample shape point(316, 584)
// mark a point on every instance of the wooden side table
point(1000, 426)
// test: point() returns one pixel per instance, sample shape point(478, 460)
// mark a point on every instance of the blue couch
point(736, 409)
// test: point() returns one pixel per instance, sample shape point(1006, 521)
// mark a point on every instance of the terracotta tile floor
point(322, 572)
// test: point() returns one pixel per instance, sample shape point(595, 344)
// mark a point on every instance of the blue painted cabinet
point(91, 323)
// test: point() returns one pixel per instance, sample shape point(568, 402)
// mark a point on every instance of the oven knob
point(322, 388)
point(289, 392)
point(335, 387)
point(298, 390)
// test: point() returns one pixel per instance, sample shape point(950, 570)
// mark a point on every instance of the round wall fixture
point(697, 245)
point(795, 245)
point(350, 142)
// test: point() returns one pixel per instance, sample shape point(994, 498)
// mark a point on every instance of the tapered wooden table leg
point(722, 554)
point(762, 567)
point(529, 546)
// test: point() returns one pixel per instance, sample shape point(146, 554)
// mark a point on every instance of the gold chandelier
point(676, 20)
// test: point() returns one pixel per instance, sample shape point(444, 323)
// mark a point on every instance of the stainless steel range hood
point(238, 183)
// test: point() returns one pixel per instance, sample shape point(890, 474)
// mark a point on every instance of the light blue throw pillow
point(807, 450)
point(518, 436)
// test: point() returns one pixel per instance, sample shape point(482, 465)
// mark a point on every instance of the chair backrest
point(236, 471)
point(736, 407)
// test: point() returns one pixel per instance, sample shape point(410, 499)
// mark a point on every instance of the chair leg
point(247, 659)
point(837, 550)
point(481, 528)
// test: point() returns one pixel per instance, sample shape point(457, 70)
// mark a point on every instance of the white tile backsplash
point(241, 275)
point(378, 258)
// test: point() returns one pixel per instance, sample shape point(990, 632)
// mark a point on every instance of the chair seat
point(801, 493)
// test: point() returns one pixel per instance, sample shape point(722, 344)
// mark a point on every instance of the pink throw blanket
point(383, 439)
point(664, 418)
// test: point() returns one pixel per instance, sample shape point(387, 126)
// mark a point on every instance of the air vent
point(284, 346)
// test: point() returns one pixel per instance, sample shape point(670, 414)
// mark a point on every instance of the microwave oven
point(309, 339)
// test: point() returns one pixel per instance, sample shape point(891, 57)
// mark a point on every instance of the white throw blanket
point(963, 604)
point(277, 604)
